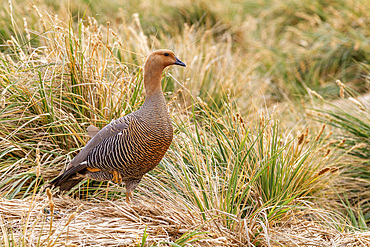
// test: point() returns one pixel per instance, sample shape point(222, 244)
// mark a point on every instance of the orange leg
point(129, 196)
point(130, 187)
point(117, 178)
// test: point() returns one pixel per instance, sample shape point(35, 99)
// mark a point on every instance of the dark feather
point(69, 184)
point(69, 178)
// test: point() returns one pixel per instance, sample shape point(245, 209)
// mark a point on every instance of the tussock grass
point(350, 117)
point(292, 44)
point(242, 170)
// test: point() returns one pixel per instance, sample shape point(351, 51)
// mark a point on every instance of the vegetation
point(264, 148)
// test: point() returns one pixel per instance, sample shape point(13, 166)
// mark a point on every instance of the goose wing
point(109, 130)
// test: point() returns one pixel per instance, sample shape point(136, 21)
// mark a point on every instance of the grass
point(351, 117)
point(248, 165)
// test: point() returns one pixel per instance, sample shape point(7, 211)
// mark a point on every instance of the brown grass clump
point(113, 223)
point(108, 223)
point(300, 232)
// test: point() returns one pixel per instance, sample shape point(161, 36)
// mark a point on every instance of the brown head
point(154, 66)
point(161, 59)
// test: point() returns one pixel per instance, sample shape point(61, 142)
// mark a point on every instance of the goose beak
point(178, 62)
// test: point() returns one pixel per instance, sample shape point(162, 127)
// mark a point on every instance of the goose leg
point(117, 178)
point(130, 187)
point(129, 196)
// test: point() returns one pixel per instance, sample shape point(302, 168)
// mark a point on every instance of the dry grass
point(298, 232)
point(108, 223)
point(116, 223)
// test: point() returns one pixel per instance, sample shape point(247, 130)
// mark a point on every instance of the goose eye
point(166, 54)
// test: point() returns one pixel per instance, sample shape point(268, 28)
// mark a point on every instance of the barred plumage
point(129, 147)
